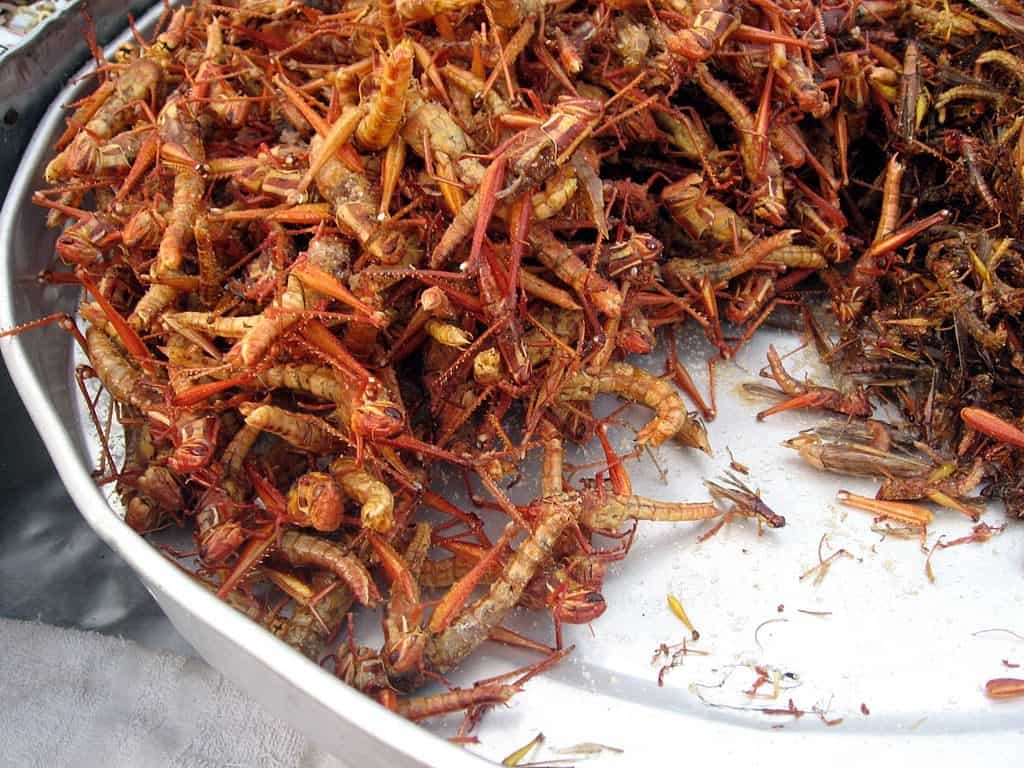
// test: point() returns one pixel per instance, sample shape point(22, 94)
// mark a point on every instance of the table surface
point(53, 567)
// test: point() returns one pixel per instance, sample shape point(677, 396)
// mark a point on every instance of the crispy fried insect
point(307, 433)
point(760, 164)
point(195, 440)
point(218, 530)
point(671, 419)
point(849, 458)
point(182, 149)
point(590, 286)
point(707, 33)
point(807, 395)
point(463, 635)
point(421, 10)
point(312, 625)
point(355, 207)
point(421, 707)
point(204, 322)
point(327, 253)
point(744, 501)
point(113, 112)
point(530, 158)
point(429, 127)
point(386, 110)
point(125, 383)
point(701, 214)
point(606, 511)
point(777, 249)
point(316, 500)
point(374, 497)
point(301, 550)
point(150, 492)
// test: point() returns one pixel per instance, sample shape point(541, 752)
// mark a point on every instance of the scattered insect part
point(682, 378)
point(946, 486)
point(989, 424)
point(908, 513)
point(680, 613)
point(517, 757)
point(736, 466)
point(821, 570)
point(674, 656)
point(980, 533)
point(1004, 688)
point(765, 675)
point(588, 748)
point(448, 334)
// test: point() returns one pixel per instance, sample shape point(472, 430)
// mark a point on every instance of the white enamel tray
point(875, 636)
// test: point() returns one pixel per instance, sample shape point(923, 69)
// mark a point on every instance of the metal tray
point(875, 632)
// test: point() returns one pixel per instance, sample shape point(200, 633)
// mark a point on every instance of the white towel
point(74, 698)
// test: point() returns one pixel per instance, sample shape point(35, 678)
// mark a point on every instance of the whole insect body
point(671, 418)
point(138, 81)
point(528, 159)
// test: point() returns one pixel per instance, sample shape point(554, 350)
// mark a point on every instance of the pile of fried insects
point(332, 252)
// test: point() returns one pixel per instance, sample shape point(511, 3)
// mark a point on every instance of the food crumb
point(864, 709)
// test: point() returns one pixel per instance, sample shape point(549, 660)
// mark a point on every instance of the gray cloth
point(81, 698)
